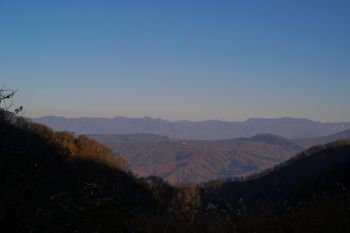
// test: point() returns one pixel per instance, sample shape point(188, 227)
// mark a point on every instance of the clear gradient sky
point(180, 59)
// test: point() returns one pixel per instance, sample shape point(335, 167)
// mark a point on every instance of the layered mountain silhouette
point(57, 182)
point(203, 130)
point(309, 142)
point(178, 158)
point(198, 160)
point(202, 160)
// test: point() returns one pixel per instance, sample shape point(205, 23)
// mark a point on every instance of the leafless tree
point(7, 110)
point(6, 102)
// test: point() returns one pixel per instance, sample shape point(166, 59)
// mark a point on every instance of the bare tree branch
point(5, 96)
point(8, 112)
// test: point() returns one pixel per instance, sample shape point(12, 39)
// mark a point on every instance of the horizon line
point(183, 120)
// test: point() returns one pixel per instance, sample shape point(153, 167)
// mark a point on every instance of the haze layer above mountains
point(190, 130)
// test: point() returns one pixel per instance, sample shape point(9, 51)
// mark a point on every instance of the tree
point(5, 95)
point(7, 111)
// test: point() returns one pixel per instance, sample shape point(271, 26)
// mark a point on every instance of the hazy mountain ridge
point(309, 142)
point(202, 160)
point(190, 130)
point(199, 160)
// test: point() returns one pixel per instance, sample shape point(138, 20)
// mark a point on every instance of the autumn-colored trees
point(76, 146)
point(58, 182)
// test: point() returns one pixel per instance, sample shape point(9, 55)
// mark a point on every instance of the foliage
point(55, 182)
point(58, 182)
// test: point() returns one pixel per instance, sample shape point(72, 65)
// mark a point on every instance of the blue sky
point(193, 60)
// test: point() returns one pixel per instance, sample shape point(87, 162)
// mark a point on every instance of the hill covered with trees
point(179, 161)
point(58, 182)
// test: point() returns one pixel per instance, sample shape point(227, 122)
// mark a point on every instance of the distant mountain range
point(57, 182)
point(194, 151)
point(189, 130)
point(203, 160)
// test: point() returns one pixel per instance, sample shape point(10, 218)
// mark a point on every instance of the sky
point(178, 60)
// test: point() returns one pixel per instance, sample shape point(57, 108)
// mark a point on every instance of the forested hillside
point(179, 161)
point(319, 169)
point(56, 182)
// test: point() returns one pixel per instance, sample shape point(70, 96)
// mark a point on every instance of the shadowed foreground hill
point(55, 182)
point(321, 168)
